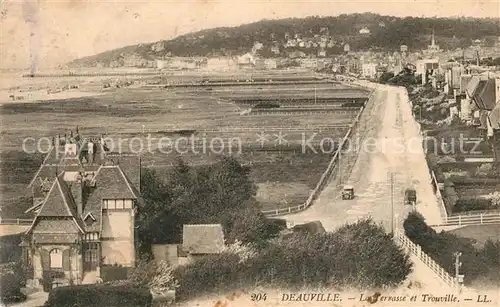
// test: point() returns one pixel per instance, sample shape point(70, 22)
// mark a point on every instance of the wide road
point(392, 144)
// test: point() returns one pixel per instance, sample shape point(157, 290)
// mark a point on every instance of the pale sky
point(67, 29)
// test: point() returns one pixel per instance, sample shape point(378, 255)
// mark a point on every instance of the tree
point(384, 78)
point(252, 227)
point(154, 214)
point(219, 193)
point(209, 193)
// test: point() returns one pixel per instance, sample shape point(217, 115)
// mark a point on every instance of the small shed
point(202, 239)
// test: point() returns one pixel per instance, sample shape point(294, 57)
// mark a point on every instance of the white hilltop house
point(364, 31)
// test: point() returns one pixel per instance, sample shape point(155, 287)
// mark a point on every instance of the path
point(392, 144)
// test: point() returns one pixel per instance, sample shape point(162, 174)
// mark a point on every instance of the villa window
point(56, 259)
point(117, 204)
point(89, 220)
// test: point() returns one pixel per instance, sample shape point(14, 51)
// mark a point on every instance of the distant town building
point(246, 59)
point(271, 64)
point(260, 63)
point(425, 67)
point(296, 54)
point(369, 70)
point(433, 47)
point(347, 48)
point(222, 63)
point(364, 31)
point(160, 64)
point(257, 46)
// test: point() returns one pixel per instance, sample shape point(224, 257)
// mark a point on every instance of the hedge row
point(474, 204)
point(361, 255)
point(100, 295)
point(11, 281)
point(114, 272)
point(481, 263)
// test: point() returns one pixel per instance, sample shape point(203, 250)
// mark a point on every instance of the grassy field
point(480, 233)
point(150, 113)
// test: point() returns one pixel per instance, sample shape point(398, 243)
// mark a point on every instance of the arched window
point(56, 259)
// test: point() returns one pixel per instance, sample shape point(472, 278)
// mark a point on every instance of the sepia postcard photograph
point(227, 153)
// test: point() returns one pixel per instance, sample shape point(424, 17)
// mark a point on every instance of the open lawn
point(480, 233)
point(149, 114)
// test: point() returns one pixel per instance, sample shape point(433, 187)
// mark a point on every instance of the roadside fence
point(439, 196)
point(325, 177)
point(470, 219)
point(402, 240)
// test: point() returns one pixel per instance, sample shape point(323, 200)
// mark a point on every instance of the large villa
point(84, 198)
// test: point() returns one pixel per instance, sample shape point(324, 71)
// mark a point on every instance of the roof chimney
point(77, 191)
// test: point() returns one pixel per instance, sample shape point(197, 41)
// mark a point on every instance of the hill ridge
point(386, 33)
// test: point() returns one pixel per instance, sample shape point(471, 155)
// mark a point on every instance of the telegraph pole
point(340, 165)
point(458, 264)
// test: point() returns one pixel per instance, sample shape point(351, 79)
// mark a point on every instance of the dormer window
point(117, 204)
point(89, 219)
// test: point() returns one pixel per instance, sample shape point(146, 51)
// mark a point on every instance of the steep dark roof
point(131, 166)
point(114, 180)
point(55, 226)
point(59, 203)
point(110, 183)
point(55, 238)
point(487, 95)
point(479, 88)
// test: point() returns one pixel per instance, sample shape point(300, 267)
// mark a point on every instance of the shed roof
point(203, 238)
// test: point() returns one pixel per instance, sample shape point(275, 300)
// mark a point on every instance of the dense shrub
point(11, 281)
point(474, 204)
point(114, 272)
point(9, 248)
point(97, 295)
point(48, 277)
point(441, 246)
point(158, 277)
point(252, 227)
point(361, 255)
